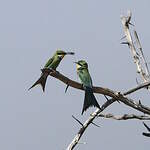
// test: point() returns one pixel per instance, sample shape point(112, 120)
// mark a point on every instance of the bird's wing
point(48, 62)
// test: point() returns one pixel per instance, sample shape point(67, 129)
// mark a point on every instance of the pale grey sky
point(30, 32)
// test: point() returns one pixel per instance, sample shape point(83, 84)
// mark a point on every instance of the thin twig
point(106, 97)
point(142, 54)
point(77, 120)
point(95, 124)
point(148, 128)
point(146, 134)
point(143, 85)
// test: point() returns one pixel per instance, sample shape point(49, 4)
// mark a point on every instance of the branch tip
point(106, 97)
point(146, 126)
point(146, 134)
point(140, 103)
point(95, 124)
point(77, 120)
point(66, 88)
point(125, 43)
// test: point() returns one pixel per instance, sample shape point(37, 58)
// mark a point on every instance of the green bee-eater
point(52, 63)
point(84, 75)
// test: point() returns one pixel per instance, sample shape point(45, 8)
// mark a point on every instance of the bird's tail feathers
point(89, 99)
point(41, 81)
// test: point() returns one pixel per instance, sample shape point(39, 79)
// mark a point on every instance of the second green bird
point(52, 63)
point(84, 75)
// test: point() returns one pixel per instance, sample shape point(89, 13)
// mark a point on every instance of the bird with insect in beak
point(84, 75)
point(52, 63)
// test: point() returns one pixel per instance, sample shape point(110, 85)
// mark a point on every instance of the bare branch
point(125, 116)
point(143, 85)
point(144, 72)
point(100, 90)
point(142, 54)
point(136, 105)
point(125, 22)
point(105, 91)
point(89, 121)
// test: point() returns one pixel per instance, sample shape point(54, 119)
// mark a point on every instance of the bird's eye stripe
point(60, 53)
point(80, 64)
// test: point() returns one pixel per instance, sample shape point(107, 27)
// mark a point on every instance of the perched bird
point(52, 63)
point(83, 73)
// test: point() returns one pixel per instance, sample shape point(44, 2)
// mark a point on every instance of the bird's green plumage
point(52, 63)
point(84, 75)
point(48, 62)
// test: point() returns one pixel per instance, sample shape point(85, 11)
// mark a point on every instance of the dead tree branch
point(74, 84)
point(105, 91)
point(144, 72)
point(76, 139)
point(118, 96)
point(139, 58)
point(142, 54)
point(125, 117)
point(100, 90)
point(87, 123)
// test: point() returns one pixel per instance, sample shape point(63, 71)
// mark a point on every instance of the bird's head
point(61, 53)
point(81, 64)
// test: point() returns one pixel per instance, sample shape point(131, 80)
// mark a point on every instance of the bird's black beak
point(70, 53)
